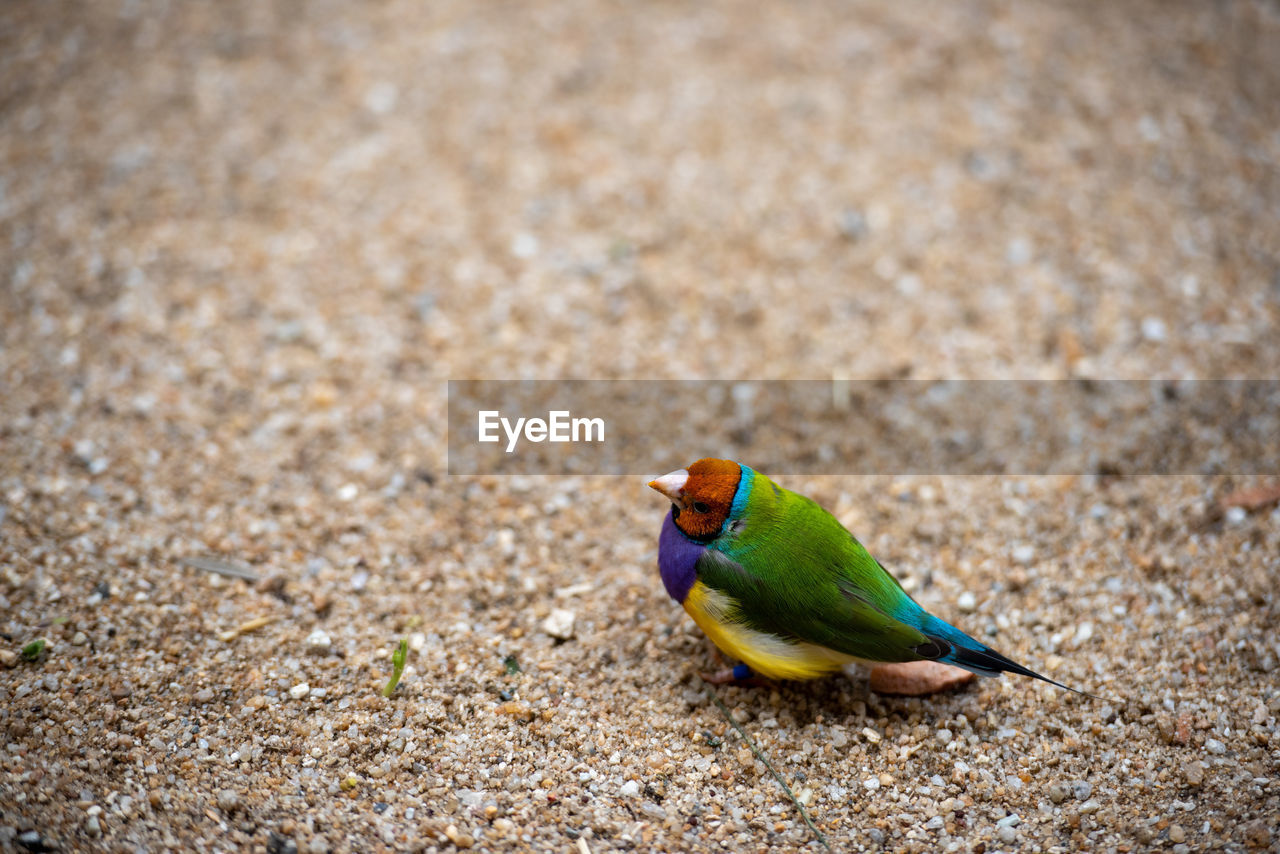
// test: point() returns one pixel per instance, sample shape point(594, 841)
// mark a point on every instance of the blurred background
point(243, 245)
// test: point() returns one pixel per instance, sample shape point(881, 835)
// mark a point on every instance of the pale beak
point(671, 485)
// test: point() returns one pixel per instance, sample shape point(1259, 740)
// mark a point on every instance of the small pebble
point(1257, 834)
point(319, 641)
point(559, 624)
point(1153, 329)
point(300, 690)
point(1007, 834)
point(967, 602)
point(1177, 834)
point(228, 800)
point(1081, 789)
point(1217, 748)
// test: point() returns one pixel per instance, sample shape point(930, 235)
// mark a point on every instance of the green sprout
point(397, 667)
point(32, 650)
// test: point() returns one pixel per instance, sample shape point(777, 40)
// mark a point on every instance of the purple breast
point(677, 560)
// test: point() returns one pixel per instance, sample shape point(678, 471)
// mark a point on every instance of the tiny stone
point(8, 658)
point(1177, 834)
point(1089, 807)
point(1024, 554)
point(228, 800)
point(204, 695)
point(967, 602)
point(630, 789)
point(318, 641)
point(1007, 834)
point(871, 783)
point(1080, 789)
point(1257, 834)
point(1215, 747)
point(1194, 773)
point(92, 826)
point(280, 844)
point(1058, 792)
point(559, 624)
point(300, 690)
point(1153, 329)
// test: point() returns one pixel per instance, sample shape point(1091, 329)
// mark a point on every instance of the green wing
point(795, 571)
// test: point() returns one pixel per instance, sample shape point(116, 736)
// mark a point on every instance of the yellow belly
point(769, 655)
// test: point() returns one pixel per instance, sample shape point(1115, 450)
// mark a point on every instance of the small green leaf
point(511, 665)
point(397, 667)
point(32, 650)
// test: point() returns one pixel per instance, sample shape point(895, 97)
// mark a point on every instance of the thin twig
point(774, 771)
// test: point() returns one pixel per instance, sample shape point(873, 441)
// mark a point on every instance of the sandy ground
point(243, 244)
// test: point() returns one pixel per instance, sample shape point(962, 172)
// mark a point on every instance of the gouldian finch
point(775, 581)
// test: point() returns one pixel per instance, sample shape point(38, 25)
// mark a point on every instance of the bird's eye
point(699, 507)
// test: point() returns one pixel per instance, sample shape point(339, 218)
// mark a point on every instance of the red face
point(702, 495)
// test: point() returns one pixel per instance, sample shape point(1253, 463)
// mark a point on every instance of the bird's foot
point(739, 675)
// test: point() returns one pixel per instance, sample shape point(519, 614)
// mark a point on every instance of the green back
point(795, 571)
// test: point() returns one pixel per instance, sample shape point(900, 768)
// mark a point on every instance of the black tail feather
point(985, 661)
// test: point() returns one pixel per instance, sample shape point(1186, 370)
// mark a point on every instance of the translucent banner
point(633, 427)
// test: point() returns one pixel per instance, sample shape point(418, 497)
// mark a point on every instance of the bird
point(776, 582)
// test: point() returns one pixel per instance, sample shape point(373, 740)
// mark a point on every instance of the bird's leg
point(738, 675)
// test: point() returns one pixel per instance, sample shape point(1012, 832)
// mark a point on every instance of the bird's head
point(701, 495)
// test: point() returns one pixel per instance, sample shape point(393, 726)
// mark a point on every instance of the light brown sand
point(243, 244)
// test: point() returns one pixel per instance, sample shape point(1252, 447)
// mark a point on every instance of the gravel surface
point(243, 244)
